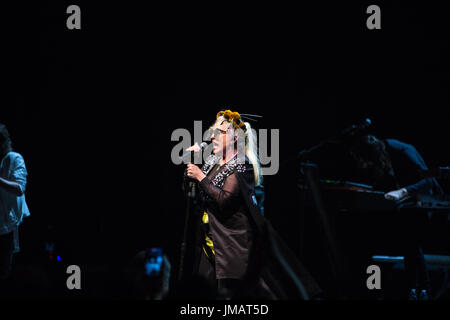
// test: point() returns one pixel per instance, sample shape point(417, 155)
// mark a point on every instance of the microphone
point(188, 183)
point(357, 129)
point(188, 154)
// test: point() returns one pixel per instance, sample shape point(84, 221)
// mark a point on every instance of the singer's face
point(219, 140)
point(222, 137)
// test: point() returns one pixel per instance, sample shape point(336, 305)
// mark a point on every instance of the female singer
point(237, 244)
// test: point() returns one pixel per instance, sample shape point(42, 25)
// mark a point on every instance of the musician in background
point(13, 179)
point(397, 168)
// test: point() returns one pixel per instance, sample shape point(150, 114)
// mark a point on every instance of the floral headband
point(234, 117)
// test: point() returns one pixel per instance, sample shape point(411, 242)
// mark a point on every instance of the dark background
point(92, 110)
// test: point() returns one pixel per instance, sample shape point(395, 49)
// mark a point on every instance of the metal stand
point(191, 192)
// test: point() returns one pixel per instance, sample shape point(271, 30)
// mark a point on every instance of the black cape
point(274, 262)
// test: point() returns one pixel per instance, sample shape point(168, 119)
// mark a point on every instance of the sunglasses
point(216, 132)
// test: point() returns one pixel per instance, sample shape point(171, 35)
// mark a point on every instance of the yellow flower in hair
point(220, 113)
point(236, 116)
point(228, 115)
point(231, 116)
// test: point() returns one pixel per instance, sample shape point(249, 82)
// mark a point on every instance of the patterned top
point(228, 168)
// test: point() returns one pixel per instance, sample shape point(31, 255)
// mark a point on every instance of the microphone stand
point(191, 194)
point(190, 188)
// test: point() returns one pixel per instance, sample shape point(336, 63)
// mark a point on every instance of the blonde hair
point(251, 141)
point(251, 151)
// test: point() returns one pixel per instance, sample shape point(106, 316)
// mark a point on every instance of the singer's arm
point(225, 200)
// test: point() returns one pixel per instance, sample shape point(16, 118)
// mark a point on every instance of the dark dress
point(249, 258)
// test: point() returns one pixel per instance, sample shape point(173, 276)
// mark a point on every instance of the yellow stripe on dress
point(209, 243)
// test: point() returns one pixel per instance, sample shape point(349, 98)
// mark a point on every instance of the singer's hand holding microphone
point(194, 148)
point(193, 171)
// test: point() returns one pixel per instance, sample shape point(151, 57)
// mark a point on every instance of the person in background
point(13, 207)
point(143, 281)
point(397, 169)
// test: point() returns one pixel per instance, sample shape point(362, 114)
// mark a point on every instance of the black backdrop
point(92, 110)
